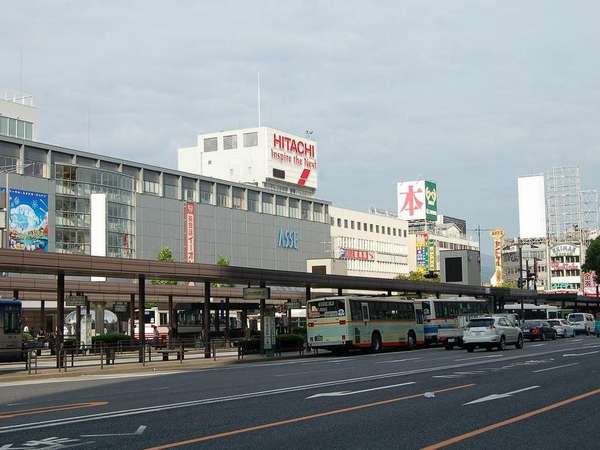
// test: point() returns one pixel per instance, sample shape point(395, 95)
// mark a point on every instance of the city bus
point(345, 322)
point(533, 312)
point(11, 338)
point(448, 313)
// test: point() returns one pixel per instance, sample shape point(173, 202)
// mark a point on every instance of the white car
point(562, 327)
point(582, 322)
point(491, 331)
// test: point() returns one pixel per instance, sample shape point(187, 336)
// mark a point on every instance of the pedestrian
point(597, 326)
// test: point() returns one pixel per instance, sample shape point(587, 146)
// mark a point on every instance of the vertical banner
point(432, 254)
point(190, 235)
point(590, 285)
point(28, 221)
point(498, 242)
point(422, 247)
point(431, 201)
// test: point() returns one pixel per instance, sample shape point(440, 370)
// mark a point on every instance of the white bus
point(532, 312)
point(11, 339)
point(341, 323)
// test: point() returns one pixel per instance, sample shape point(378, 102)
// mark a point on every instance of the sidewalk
point(136, 368)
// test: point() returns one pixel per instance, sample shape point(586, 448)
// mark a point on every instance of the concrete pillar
point(78, 325)
point(99, 309)
point(131, 315)
point(60, 318)
point(227, 318)
point(141, 316)
point(43, 316)
point(263, 310)
point(206, 319)
point(171, 318)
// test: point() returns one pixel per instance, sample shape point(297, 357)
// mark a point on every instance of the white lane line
point(344, 393)
point(85, 378)
point(479, 357)
point(446, 376)
point(536, 345)
point(499, 396)
point(555, 367)
point(137, 432)
point(577, 340)
point(397, 360)
point(566, 355)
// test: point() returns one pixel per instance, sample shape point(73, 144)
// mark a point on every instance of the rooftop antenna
point(21, 75)
point(258, 87)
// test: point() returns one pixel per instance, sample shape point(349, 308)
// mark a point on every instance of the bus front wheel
point(411, 340)
point(376, 342)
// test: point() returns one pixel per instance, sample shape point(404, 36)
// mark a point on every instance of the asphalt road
point(546, 395)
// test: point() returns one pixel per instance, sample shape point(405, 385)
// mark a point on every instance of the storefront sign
point(75, 300)
point(432, 254)
point(417, 200)
point(564, 250)
point(295, 158)
point(189, 220)
point(590, 285)
point(498, 242)
point(431, 201)
point(360, 255)
point(269, 335)
point(120, 307)
point(422, 250)
point(28, 221)
point(288, 239)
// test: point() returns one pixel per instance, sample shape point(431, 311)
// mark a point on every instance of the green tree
point(508, 285)
point(222, 261)
point(164, 255)
point(419, 275)
point(592, 258)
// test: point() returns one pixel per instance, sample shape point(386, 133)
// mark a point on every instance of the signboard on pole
point(422, 251)
point(75, 300)
point(431, 201)
point(256, 293)
point(293, 304)
point(498, 241)
point(189, 221)
point(417, 200)
point(269, 333)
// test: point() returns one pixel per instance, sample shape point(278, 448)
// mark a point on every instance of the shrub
point(290, 341)
point(111, 338)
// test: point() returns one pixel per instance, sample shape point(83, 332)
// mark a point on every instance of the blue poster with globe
point(28, 221)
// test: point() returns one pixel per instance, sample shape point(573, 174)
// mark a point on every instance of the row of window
point(382, 310)
point(565, 259)
point(16, 128)
point(230, 142)
point(356, 225)
point(566, 273)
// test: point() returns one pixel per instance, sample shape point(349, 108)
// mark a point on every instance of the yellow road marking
point(300, 419)
point(510, 421)
point(47, 409)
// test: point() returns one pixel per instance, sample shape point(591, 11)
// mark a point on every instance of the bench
point(166, 351)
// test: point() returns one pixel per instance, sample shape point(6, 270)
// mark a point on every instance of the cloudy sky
point(470, 94)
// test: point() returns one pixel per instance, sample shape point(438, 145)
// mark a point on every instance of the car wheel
point(502, 343)
point(470, 348)
point(411, 340)
point(449, 347)
point(519, 343)
point(376, 343)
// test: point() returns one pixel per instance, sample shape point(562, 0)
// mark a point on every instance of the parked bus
point(533, 312)
point(11, 338)
point(447, 313)
point(342, 323)
point(153, 317)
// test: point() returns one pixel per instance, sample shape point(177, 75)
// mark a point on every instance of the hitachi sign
point(291, 145)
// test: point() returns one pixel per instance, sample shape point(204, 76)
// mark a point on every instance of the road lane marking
point(137, 432)
point(47, 409)
point(555, 367)
point(479, 357)
point(566, 355)
point(397, 360)
point(344, 393)
point(115, 376)
point(446, 376)
point(536, 345)
point(301, 419)
point(491, 397)
point(510, 421)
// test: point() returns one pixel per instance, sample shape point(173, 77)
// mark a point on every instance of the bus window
point(326, 308)
point(365, 311)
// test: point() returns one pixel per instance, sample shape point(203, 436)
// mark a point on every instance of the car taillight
point(311, 324)
point(342, 322)
point(534, 330)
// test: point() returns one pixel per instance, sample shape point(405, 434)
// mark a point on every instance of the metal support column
point(308, 293)
point(227, 318)
point(43, 316)
point(171, 319)
point(141, 315)
point(263, 310)
point(340, 291)
point(131, 315)
point(15, 294)
point(206, 319)
point(78, 325)
point(60, 318)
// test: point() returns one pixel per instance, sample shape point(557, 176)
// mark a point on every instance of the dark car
point(538, 329)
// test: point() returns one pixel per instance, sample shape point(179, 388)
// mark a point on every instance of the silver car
point(563, 328)
point(491, 332)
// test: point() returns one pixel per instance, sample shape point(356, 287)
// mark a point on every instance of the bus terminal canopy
point(16, 261)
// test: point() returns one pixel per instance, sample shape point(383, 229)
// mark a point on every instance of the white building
point(565, 266)
point(261, 156)
point(365, 244)
point(18, 116)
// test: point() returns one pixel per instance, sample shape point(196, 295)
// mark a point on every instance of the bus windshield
point(11, 320)
point(326, 308)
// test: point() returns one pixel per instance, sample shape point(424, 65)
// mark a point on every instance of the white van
point(582, 322)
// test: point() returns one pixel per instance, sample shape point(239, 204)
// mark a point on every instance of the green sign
point(431, 201)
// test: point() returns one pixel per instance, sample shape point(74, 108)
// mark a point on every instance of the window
point(206, 193)
point(151, 182)
point(230, 142)
point(280, 206)
point(28, 130)
point(345, 223)
point(377, 228)
point(317, 212)
point(364, 226)
point(339, 223)
point(35, 162)
point(223, 195)
point(394, 232)
point(239, 202)
point(278, 173)
point(188, 189)
point(389, 230)
point(4, 125)
point(250, 139)
point(404, 233)
point(358, 226)
point(170, 186)
point(267, 203)
point(12, 127)
point(371, 227)
point(332, 221)
point(305, 210)
point(253, 201)
point(211, 144)
point(352, 224)
point(294, 208)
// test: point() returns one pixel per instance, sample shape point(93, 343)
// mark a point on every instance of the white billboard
point(411, 200)
point(291, 158)
point(532, 207)
point(98, 227)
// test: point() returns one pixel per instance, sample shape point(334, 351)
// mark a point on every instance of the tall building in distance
point(18, 116)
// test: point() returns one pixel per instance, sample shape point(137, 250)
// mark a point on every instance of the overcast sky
point(469, 94)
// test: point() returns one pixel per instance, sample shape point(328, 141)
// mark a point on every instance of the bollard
point(214, 350)
point(36, 355)
point(150, 353)
point(28, 362)
point(181, 355)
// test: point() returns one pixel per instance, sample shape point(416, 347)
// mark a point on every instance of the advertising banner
point(590, 285)
point(28, 221)
point(292, 159)
point(189, 223)
point(360, 255)
point(432, 255)
point(422, 247)
point(498, 242)
point(532, 207)
point(431, 201)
